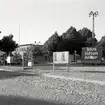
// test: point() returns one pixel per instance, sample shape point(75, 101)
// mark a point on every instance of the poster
point(91, 55)
point(61, 57)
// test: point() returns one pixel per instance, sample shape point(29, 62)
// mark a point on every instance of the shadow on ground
point(14, 100)
point(92, 71)
point(13, 74)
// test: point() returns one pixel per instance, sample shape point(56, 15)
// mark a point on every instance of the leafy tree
point(37, 50)
point(52, 43)
point(102, 39)
point(8, 44)
point(17, 58)
point(91, 42)
point(101, 44)
point(70, 41)
point(72, 34)
point(87, 37)
point(86, 33)
point(34, 51)
point(103, 49)
point(70, 46)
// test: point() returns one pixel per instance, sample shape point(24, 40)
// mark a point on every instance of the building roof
point(26, 44)
point(30, 45)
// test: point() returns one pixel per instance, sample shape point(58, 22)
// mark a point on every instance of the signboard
point(91, 55)
point(27, 60)
point(61, 57)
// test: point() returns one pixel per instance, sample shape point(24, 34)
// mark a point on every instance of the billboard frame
point(64, 59)
point(91, 55)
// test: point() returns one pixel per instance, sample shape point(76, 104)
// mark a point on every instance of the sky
point(37, 20)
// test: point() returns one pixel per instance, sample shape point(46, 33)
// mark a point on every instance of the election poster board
point(91, 55)
point(60, 58)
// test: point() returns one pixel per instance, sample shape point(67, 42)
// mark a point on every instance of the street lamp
point(94, 14)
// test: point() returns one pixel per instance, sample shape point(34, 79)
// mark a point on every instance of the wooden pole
point(68, 67)
point(23, 60)
point(53, 67)
point(31, 59)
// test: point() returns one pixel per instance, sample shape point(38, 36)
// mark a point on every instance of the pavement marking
point(75, 79)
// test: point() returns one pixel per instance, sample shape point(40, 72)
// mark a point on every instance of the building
point(24, 47)
point(28, 47)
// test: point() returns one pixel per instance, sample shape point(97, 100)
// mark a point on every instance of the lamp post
point(94, 14)
point(75, 52)
point(19, 34)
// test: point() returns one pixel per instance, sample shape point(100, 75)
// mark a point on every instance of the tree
point(17, 58)
point(101, 44)
point(52, 43)
point(70, 41)
point(91, 42)
point(8, 44)
point(72, 34)
point(86, 33)
point(34, 51)
point(70, 46)
point(102, 39)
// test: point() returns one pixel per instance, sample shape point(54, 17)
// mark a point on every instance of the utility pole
point(94, 14)
point(19, 34)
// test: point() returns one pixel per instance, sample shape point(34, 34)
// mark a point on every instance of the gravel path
point(24, 88)
point(32, 88)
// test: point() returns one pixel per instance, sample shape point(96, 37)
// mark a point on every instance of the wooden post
point(68, 67)
point(53, 67)
point(23, 60)
point(68, 62)
point(53, 62)
point(31, 60)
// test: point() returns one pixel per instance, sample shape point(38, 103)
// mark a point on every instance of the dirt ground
point(28, 87)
